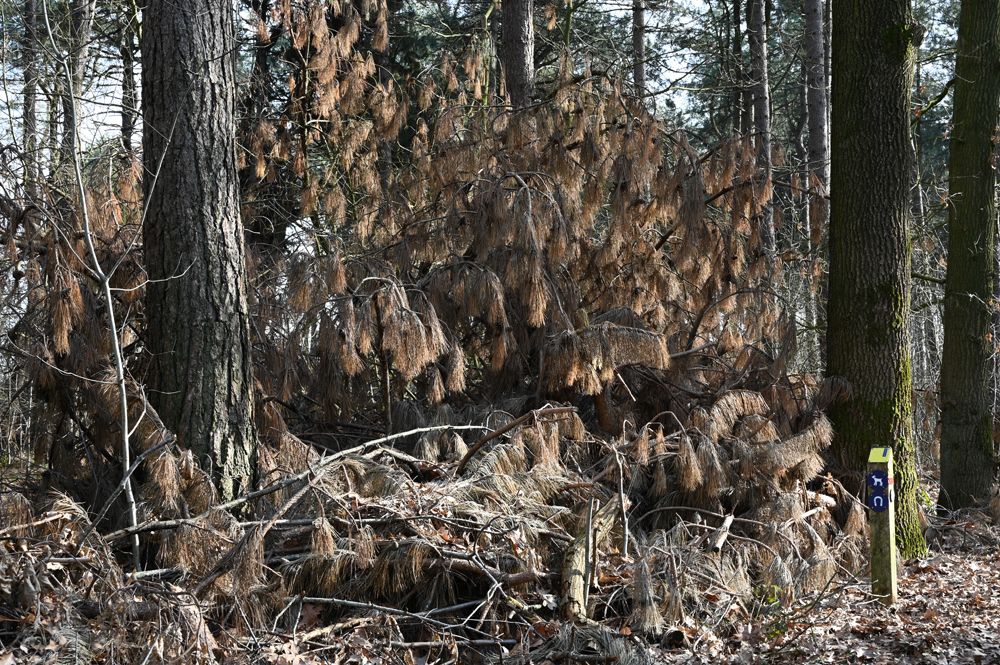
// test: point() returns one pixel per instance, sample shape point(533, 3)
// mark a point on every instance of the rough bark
point(198, 321)
point(519, 51)
point(966, 419)
point(639, 46)
point(30, 119)
point(869, 303)
point(761, 113)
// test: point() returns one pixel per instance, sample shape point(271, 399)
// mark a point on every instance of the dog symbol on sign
point(878, 501)
point(878, 480)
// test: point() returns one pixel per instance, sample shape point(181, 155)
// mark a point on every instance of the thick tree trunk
point(761, 114)
point(519, 51)
point(30, 119)
point(198, 321)
point(869, 309)
point(639, 46)
point(966, 419)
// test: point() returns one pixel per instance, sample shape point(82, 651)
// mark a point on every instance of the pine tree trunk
point(869, 309)
point(639, 46)
point(761, 113)
point(30, 119)
point(966, 420)
point(196, 304)
point(519, 51)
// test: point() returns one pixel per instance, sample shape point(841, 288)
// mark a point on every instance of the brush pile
point(542, 539)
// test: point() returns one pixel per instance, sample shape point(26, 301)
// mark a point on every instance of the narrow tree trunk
point(81, 26)
point(198, 321)
point(869, 307)
point(519, 51)
point(966, 420)
point(762, 115)
point(738, 73)
point(130, 95)
point(819, 147)
point(828, 59)
point(802, 154)
point(817, 58)
point(30, 119)
point(639, 46)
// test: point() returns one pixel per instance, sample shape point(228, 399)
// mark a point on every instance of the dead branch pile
point(388, 546)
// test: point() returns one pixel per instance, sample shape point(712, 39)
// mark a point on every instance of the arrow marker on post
point(882, 524)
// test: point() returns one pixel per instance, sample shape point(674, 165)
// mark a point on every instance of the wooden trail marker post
point(882, 524)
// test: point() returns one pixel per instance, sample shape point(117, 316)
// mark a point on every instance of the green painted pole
point(882, 524)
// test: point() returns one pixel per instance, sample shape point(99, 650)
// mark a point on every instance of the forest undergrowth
point(522, 396)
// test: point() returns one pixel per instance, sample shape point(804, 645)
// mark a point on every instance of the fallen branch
point(323, 463)
point(719, 537)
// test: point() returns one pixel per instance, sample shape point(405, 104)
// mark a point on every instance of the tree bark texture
point(30, 119)
point(130, 95)
point(761, 113)
point(869, 302)
point(966, 417)
point(639, 46)
point(819, 145)
point(519, 51)
point(196, 307)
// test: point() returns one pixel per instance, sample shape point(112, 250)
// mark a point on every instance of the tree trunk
point(966, 419)
point(761, 114)
point(30, 119)
point(869, 308)
point(130, 96)
point(819, 147)
point(817, 57)
point(827, 58)
point(738, 71)
point(80, 28)
point(639, 46)
point(519, 51)
point(196, 304)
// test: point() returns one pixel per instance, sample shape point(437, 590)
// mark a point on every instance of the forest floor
point(948, 613)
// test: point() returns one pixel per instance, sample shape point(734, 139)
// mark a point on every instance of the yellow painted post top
point(880, 456)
